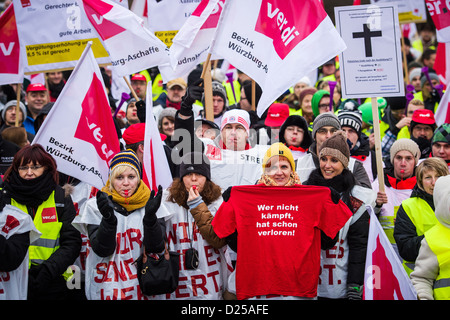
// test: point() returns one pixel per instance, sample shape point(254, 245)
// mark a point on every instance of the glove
point(226, 194)
point(140, 106)
point(153, 204)
point(193, 93)
point(105, 205)
point(354, 292)
point(435, 96)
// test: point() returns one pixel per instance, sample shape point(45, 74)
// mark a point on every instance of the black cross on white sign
point(367, 35)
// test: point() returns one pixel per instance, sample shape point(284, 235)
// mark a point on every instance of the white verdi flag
point(79, 131)
point(276, 42)
point(131, 46)
point(156, 169)
point(192, 43)
point(385, 278)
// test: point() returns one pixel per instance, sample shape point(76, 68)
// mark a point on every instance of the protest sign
point(54, 33)
point(371, 66)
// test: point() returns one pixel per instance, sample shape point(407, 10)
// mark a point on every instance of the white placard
point(371, 66)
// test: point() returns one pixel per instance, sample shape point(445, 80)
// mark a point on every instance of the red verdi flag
point(11, 69)
point(79, 131)
point(385, 277)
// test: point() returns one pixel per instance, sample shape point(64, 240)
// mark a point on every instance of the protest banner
point(165, 18)
point(54, 33)
point(385, 278)
point(265, 39)
point(371, 66)
point(408, 11)
point(79, 132)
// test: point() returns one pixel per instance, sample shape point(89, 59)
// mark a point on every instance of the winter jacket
point(427, 266)
point(405, 232)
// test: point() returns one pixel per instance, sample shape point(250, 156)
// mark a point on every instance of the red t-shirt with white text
point(279, 236)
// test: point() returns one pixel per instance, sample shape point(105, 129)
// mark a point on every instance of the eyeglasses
point(325, 130)
point(32, 168)
point(324, 105)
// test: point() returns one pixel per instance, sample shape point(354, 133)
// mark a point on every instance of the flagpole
point(131, 88)
point(207, 83)
point(378, 154)
point(19, 88)
point(253, 95)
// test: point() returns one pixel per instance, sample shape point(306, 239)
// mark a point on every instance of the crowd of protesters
point(74, 241)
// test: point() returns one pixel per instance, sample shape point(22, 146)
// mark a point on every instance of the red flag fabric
point(11, 69)
point(385, 277)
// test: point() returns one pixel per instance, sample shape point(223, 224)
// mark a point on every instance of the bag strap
point(166, 253)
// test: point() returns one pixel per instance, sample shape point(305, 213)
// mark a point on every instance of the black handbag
point(158, 274)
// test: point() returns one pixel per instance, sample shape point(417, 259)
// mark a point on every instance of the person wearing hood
point(416, 215)
point(351, 123)
point(422, 129)
point(399, 181)
point(349, 267)
point(295, 135)
point(431, 273)
point(320, 102)
point(389, 124)
point(9, 116)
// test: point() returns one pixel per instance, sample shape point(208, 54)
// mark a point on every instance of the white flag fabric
point(192, 43)
point(442, 113)
point(131, 46)
point(276, 42)
point(11, 65)
point(385, 278)
point(156, 169)
point(79, 131)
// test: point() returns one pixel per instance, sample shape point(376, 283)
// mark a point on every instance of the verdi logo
point(288, 22)
point(49, 215)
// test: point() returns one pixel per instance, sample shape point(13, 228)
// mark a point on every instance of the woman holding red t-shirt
point(274, 218)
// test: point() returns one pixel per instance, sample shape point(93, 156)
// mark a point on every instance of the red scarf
point(402, 184)
point(176, 105)
point(298, 149)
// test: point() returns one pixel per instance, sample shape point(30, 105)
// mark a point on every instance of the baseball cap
point(277, 114)
point(177, 82)
point(138, 77)
point(36, 87)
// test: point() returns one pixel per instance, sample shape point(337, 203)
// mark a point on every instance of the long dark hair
point(33, 153)
point(179, 195)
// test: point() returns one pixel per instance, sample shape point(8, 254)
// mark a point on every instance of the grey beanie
point(405, 144)
point(433, 76)
point(166, 112)
point(14, 103)
point(325, 119)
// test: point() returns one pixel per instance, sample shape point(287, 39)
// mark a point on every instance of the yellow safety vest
point(46, 221)
point(438, 239)
point(229, 90)
point(423, 218)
